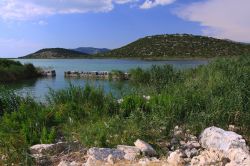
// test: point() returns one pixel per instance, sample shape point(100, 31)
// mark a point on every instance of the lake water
point(38, 88)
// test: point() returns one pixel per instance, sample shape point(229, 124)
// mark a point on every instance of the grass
point(11, 71)
point(217, 94)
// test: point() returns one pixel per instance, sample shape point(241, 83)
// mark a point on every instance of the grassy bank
point(13, 71)
point(217, 94)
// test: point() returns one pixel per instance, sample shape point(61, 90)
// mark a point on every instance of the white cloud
point(153, 3)
point(220, 18)
point(42, 22)
point(21, 10)
point(124, 1)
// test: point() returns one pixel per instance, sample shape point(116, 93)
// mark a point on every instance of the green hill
point(54, 53)
point(179, 45)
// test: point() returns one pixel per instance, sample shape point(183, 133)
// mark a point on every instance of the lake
point(38, 88)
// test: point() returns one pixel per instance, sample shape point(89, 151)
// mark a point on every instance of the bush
point(12, 71)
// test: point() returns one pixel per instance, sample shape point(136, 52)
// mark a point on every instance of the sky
point(29, 25)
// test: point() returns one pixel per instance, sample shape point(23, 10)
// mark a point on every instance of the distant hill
point(158, 46)
point(54, 53)
point(179, 45)
point(91, 50)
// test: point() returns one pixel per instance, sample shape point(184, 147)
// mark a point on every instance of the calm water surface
point(38, 88)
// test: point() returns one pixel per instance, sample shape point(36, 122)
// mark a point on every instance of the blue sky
point(29, 25)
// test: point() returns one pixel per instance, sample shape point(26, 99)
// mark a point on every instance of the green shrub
point(12, 71)
point(9, 102)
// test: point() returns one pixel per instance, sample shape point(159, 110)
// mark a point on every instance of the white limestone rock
point(209, 157)
point(41, 148)
point(44, 149)
point(131, 152)
point(102, 154)
point(219, 139)
point(221, 144)
point(176, 159)
point(145, 148)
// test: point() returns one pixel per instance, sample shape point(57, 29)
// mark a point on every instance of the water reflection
point(38, 88)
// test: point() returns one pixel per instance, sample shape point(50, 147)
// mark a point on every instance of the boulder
point(145, 148)
point(49, 154)
point(131, 152)
point(176, 158)
point(44, 149)
point(221, 144)
point(219, 139)
point(102, 154)
point(209, 157)
point(41, 148)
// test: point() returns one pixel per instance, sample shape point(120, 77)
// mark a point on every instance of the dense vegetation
point(12, 71)
point(91, 50)
point(52, 53)
point(179, 46)
point(217, 94)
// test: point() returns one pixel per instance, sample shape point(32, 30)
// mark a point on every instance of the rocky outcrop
point(225, 145)
point(111, 156)
point(176, 158)
point(61, 152)
point(131, 152)
point(215, 147)
point(123, 153)
point(145, 148)
point(47, 149)
point(209, 157)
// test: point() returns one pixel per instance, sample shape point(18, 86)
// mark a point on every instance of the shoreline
point(131, 58)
